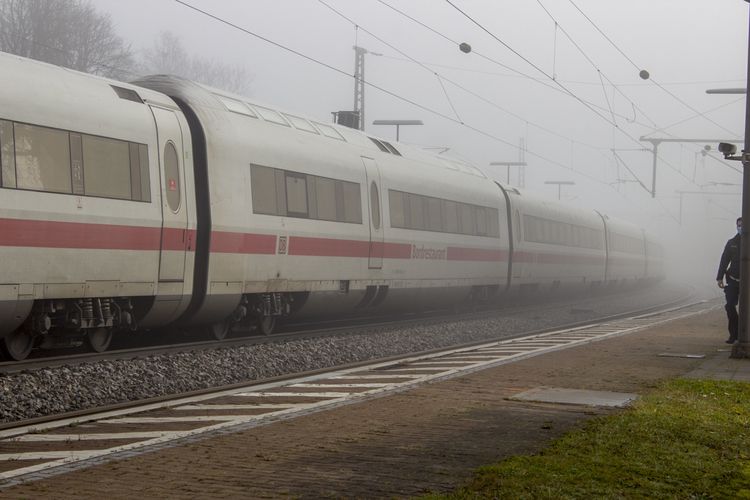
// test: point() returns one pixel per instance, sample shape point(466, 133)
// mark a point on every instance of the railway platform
point(430, 438)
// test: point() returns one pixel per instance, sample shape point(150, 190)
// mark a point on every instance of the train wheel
point(220, 330)
point(98, 339)
point(17, 345)
point(266, 324)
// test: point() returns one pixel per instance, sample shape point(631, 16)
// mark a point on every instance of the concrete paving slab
point(576, 397)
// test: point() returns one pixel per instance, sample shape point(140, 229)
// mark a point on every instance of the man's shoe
point(730, 341)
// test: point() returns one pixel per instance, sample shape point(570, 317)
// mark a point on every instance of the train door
point(174, 206)
point(376, 223)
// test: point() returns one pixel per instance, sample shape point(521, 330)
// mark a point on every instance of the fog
point(539, 72)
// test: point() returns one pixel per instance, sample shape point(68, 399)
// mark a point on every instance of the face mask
point(739, 230)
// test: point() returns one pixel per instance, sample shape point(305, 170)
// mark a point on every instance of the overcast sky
point(480, 105)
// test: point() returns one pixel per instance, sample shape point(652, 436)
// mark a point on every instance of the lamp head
point(727, 149)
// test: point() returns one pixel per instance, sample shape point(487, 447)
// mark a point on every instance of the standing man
point(731, 257)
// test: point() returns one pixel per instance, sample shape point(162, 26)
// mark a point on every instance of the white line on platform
point(326, 395)
point(89, 437)
point(354, 376)
point(209, 406)
point(317, 386)
point(161, 420)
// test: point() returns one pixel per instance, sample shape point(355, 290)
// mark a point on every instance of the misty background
point(561, 79)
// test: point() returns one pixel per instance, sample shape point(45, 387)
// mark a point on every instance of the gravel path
point(62, 389)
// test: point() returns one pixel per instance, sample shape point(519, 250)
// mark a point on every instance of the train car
point(654, 259)
point(166, 202)
point(309, 217)
point(554, 245)
point(96, 209)
point(626, 252)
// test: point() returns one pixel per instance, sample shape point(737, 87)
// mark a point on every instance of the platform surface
point(428, 439)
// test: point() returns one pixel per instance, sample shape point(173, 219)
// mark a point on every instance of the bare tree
point(68, 33)
point(168, 55)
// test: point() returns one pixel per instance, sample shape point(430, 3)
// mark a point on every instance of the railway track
point(292, 331)
point(72, 441)
point(130, 354)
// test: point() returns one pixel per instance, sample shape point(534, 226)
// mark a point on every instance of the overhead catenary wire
point(442, 78)
point(519, 73)
point(499, 40)
point(386, 91)
point(651, 79)
point(399, 97)
point(590, 61)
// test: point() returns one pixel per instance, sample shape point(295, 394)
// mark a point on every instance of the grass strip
point(686, 439)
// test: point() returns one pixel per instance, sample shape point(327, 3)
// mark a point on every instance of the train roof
point(224, 101)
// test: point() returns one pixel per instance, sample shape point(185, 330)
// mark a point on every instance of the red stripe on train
point(477, 254)
point(54, 234)
point(226, 242)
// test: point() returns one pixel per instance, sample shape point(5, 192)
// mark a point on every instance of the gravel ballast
point(62, 389)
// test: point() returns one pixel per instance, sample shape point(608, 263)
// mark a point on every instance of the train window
point(416, 212)
point(145, 172)
point(135, 172)
point(172, 175)
point(450, 209)
point(106, 168)
point(481, 221)
point(296, 195)
point(434, 215)
point(76, 163)
point(301, 124)
point(280, 182)
point(140, 184)
point(7, 155)
point(236, 106)
point(325, 190)
point(329, 131)
point(467, 218)
point(379, 144)
point(127, 94)
point(352, 202)
point(263, 189)
point(375, 205)
point(42, 159)
point(539, 230)
point(272, 116)
point(493, 223)
point(391, 148)
point(396, 207)
point(626, 244)
point(312, 197)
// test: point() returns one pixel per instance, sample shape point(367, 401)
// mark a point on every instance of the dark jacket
point(730, 257)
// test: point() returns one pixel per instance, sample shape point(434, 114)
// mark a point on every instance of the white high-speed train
point(164, 202)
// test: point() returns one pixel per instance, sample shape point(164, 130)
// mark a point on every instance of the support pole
point(653, 174)
point(742, 348)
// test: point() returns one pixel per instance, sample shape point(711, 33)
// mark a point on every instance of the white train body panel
point(654, 259)
point(626, 260)
point(75, 242)
point(256, 252)
point(555, 244)
point(206, 208)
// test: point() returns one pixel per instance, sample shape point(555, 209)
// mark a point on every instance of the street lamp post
point(398, 124)
point(560, 184)
point(741, 349)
